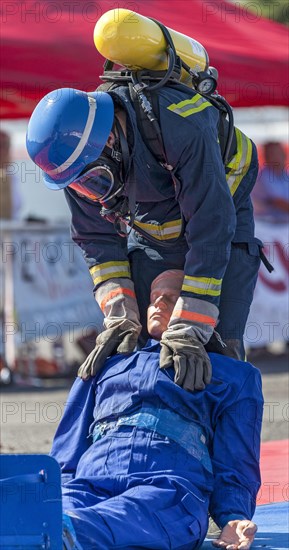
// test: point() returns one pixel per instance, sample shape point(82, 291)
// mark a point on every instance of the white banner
point(268, 320)
point(52, 288)
point(49, 290)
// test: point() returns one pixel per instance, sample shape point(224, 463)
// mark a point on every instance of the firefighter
point(128, 208)
point(159, 457)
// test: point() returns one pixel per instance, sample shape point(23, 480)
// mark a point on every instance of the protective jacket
point(205, 442)
point(209, 204)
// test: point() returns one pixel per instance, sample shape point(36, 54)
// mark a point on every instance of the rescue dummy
point(139, 208)
point(143, 460)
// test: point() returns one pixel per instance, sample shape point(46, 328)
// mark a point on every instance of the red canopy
point(48, 45)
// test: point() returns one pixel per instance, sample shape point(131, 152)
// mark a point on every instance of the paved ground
point(29, 417)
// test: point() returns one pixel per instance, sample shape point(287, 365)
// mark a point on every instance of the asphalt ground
point(30, 416)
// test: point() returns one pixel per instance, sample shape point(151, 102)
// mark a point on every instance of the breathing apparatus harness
point(117, 208)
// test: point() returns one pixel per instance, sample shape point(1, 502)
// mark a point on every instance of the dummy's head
point(165, 290)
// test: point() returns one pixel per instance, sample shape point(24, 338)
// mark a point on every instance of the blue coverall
point(208, 207)
point(161, 456)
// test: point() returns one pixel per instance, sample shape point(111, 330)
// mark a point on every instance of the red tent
point(47, 45)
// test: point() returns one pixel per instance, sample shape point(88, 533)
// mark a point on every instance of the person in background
point(143, 460)
point(271, 192)
point(10, 198)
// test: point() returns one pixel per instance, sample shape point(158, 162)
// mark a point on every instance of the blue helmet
point(67, 131)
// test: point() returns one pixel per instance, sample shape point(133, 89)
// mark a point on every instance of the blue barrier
point(30, 500)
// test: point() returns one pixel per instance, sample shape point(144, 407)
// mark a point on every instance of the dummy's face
point(164, 294)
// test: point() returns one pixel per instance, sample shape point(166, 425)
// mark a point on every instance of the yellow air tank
point(136, 42)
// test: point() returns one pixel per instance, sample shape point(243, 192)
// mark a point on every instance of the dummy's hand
point(193, 369)
point(237, 535)
point(121, 338)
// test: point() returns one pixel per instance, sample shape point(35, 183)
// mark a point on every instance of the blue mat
point(273, 527)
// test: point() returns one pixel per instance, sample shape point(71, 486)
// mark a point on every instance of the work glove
point(182, 345)
point(117, 301)
point(193, 369)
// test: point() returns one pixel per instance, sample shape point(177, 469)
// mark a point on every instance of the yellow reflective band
point(184, 103)
point(197, 109)
point(116, 275)
point(190, 106)
point(203, 291)
point(202, 285)
point(108, 265)
point(109, 270)
point(240, 163)
point(168, 230)
point(206, 280)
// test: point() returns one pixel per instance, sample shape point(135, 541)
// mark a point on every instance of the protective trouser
point(236, 297)
point(145, 505)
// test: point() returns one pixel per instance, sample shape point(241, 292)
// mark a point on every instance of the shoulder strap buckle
point(168, 167)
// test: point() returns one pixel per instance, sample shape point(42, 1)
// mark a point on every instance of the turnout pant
point(137, 489)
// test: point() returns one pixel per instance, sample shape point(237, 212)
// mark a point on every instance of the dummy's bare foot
point(236, 535)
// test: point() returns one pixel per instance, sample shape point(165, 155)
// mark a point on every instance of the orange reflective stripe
point(192, 316)
point(113, 293)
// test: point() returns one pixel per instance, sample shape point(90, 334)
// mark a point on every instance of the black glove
point(121, 338)
point(193, 369)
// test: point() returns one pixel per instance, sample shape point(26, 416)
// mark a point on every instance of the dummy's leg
point(128, 498)
point(159, 514)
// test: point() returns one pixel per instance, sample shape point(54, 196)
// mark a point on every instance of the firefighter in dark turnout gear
point(127, 208)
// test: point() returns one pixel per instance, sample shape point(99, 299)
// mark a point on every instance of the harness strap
point(149, 128)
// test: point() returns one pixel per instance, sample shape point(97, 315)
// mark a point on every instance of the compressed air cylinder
point(137, 42)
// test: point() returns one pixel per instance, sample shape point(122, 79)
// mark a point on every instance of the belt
point(187, 434)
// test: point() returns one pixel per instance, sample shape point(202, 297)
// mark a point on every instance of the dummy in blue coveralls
point(143, 460)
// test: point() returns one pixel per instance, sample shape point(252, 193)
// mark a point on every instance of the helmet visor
point(95, 184)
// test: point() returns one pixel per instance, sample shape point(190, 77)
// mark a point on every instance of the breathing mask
point(103, 181)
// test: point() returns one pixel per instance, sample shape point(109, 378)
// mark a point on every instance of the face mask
point(100, 182)
point(103, 182)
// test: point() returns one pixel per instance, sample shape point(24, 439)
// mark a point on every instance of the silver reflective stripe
point(190, 106)
point(82, 143)
point(108, 270)
point(240, 163)
point(110, 267)
point(161, 231)
point(202, 285)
